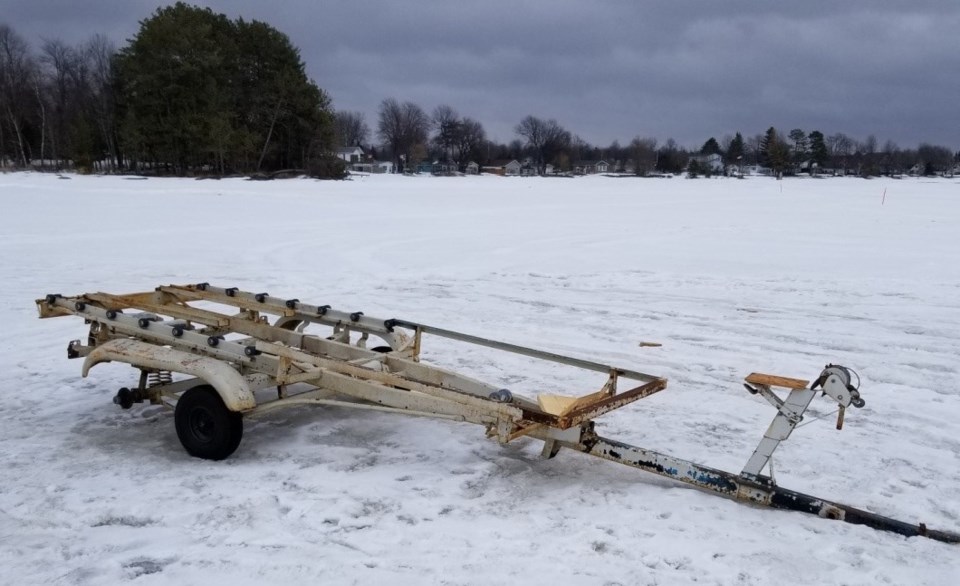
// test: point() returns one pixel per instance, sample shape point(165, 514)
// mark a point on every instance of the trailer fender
point(229, 384)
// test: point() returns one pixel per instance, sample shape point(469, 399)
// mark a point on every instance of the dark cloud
point(608, 70)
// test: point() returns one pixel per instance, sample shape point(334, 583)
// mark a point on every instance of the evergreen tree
point(774, 153)
point(711, 147)
point(197, 90)
point(800, 146)
point(735, 151)
point(818, 148)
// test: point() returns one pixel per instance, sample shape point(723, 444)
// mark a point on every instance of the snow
point(731, 276)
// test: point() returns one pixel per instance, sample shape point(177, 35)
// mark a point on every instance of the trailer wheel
point(206, 428)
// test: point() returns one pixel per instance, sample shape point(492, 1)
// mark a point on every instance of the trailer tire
point(206, 428)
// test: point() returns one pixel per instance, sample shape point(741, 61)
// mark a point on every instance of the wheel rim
point(202, 425)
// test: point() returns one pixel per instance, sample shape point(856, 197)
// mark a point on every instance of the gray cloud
point(611, 69)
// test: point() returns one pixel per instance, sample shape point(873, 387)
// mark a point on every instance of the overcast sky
point(606, 69)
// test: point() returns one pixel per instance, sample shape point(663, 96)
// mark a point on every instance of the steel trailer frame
point(232, 358)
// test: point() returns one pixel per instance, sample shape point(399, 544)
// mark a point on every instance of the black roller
point(124, 398)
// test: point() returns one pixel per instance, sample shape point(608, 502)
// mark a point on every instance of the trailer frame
point(233, 359)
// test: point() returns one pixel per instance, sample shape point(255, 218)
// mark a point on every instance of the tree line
point(408, 135)
point(194, 92)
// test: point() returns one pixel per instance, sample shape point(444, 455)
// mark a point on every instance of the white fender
point(229, 384)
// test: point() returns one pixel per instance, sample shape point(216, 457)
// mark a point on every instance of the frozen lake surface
point(730, 276)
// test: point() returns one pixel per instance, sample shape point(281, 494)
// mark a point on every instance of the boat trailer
point(249, 353)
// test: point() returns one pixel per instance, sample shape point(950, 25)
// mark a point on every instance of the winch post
point(835, 381)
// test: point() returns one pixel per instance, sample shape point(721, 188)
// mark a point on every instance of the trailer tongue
point(240, 362)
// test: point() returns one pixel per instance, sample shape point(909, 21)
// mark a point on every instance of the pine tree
point(197, 90)
point(735, 150)
point(711, 147)
point(818, 148)
point(800, 146)
point(774, 153)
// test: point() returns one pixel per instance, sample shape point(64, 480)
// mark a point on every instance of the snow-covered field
point(730, 276)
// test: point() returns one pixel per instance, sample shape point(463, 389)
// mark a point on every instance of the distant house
point(494, 167)
point(528, 168)
point(548, 169)
point(473, 168)
point(383, 167)
point(590, 167)
point(350, 154)
point(512, 168)
point(712, 162)
point(446, 168)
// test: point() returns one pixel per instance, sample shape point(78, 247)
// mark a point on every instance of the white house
point(350, 154)
point(713, 162)
point(590, 167)
point(528, 168)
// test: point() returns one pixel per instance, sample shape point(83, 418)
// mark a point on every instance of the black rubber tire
point(206, 428)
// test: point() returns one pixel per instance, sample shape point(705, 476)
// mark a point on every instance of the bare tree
point(17, 70)
point(840, 147)
point(99, 53)
point(545, 137)
point(402, 127)
point(643, 151)
point(535, 131)
point(935, 159)
point(60, 62)
point(446, 123)
point(889, 159)
point(470, 140)
point(867, 151)
point(351, 128)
